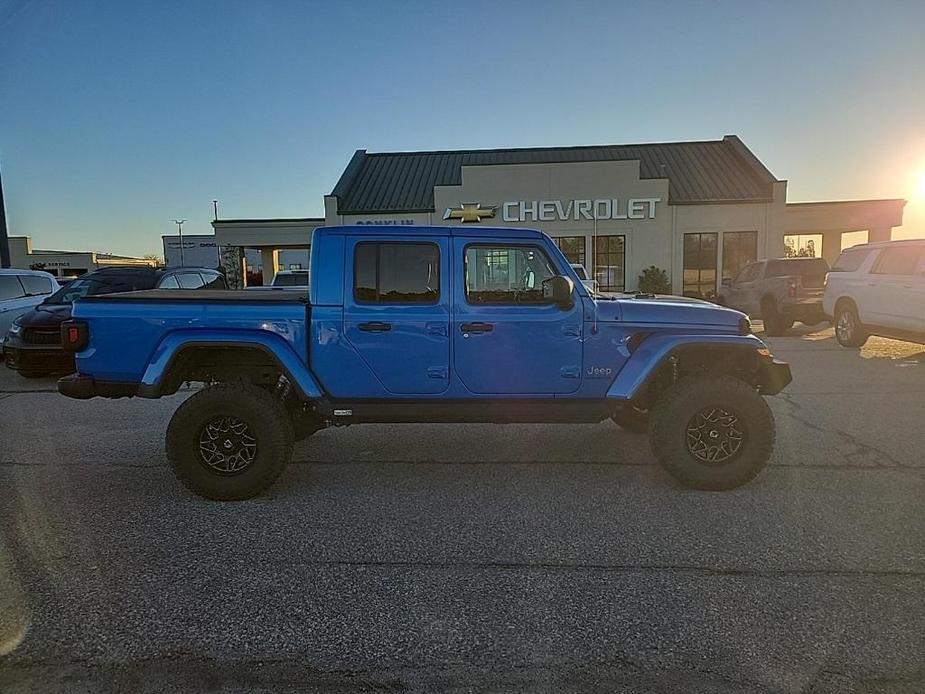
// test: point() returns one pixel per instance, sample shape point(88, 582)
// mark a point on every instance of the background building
point(204, 250)
point(66, 263)
point(698, 210)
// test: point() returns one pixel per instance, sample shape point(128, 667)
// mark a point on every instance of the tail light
point(792, 288)
point(74, 335)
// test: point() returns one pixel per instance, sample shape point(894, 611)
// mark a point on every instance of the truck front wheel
point(229, 442)
point(712, 432)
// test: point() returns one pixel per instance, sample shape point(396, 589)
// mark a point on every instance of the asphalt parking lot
point(471, 558)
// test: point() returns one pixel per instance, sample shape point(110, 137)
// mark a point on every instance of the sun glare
point(922, 184)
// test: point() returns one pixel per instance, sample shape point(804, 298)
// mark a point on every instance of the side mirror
point(559, 290)
point(727, 282)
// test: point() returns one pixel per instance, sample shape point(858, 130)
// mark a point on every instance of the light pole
point(215, 210)
point(179, 223)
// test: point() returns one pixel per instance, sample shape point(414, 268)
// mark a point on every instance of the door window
point(573, 248)
point(169, 282)
point(189, 280)
point(609, 263)
point(10, 288)
point(506, 274)
point(897, 261)
point(739, 249)
point(750, 273)
point(396, 273)
point(700, 265)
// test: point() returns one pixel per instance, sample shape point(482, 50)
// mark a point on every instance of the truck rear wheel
point(775, 323)
point(229, 442)
point(712, 432)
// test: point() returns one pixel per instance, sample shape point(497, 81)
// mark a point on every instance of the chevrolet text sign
point(559, 211)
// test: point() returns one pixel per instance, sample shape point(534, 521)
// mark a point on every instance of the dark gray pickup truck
point(779, 291)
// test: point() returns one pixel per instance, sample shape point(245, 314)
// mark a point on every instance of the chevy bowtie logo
point(470, 212)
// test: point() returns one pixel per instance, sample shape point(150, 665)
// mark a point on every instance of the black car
point(33, 344)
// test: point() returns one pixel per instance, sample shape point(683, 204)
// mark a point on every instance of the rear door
point(892, 288)
point(396, 310)
point(508, 338)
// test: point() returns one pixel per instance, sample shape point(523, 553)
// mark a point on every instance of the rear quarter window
point(36, 284)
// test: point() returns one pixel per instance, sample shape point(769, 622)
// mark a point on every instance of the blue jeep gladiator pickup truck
point(429, 324)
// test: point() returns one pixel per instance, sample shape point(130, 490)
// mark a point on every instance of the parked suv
point(20, 290)
point(33, 343)
point(878, 289)
point(779, 291)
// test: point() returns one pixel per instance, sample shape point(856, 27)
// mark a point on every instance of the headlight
point(16, 328)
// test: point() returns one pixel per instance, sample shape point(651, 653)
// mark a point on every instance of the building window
point(572, 247)
point(397, 273)
point(609, 263)
point(739, 249)
point(803, 245)
point(700, 265)
point(506, 275)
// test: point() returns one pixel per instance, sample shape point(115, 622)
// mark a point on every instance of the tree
point(654, 280)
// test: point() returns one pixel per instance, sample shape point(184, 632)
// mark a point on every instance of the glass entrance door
point(700, 265)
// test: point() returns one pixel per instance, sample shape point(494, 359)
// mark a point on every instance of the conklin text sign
point(562, 211)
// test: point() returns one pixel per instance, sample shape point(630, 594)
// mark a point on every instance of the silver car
point(20, 290)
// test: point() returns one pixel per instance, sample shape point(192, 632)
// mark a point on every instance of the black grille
point(36, 336)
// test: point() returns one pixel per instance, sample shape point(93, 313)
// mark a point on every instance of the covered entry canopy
point(269, 236)
point(831, 219)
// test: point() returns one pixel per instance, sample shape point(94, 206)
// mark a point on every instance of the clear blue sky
point(117, 116)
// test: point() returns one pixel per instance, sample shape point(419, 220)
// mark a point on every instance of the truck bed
point(205, 295)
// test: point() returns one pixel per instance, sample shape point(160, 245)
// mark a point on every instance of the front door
point(509, 339)
point(396, 311)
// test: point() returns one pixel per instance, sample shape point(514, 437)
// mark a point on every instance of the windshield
point(93, 286)
point(809, 267)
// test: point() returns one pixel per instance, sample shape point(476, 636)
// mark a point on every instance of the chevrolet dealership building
point(698, 210)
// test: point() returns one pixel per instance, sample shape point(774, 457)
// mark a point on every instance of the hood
point(46, 316)
point(674, 310)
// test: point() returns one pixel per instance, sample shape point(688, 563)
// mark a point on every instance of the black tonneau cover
point(284, 296)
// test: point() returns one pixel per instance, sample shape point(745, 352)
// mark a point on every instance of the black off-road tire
point(34, 374)
point(267, 422)
point(849, 331)
point(681, 405)
point(775, 323)
point(633, 420)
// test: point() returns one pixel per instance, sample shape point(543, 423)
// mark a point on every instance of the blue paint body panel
point(533, 351)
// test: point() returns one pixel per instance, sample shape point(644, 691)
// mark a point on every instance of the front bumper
point(22, 356)
point(86, 387)
point(773, 375)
